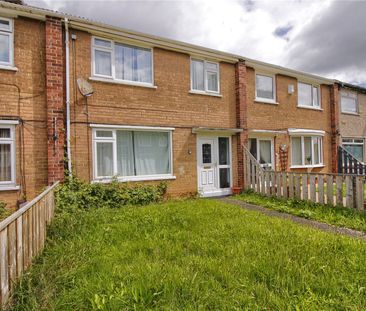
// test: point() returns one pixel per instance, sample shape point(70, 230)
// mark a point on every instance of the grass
point(192, 255)
point(339, 216)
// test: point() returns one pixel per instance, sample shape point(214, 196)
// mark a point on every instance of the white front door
point(214, 166)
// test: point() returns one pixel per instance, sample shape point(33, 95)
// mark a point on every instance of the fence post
point(349, 191)
point(330, 196)
point(339, 191)
point(312, 188)
point(305, 186)
point(321, 189)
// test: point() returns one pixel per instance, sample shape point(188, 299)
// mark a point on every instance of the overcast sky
point(322, 37)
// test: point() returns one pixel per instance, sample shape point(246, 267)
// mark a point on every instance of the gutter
point(67, 82)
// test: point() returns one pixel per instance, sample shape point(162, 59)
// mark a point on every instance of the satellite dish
point(85, 87)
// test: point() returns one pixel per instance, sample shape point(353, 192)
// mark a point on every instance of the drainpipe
point(68, 138)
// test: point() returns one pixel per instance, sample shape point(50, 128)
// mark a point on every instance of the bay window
point(308, 95)
point(7, 155)
point(6, 42)
point(204, 76)
point(122, 62)
point(307, 151)
point(132, 154)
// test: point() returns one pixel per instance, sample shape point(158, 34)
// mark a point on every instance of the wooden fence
point(332, 189)
point(348, 164)
point(22, 237)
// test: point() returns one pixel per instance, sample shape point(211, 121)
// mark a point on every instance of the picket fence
point(333, 189)
point(22, 237)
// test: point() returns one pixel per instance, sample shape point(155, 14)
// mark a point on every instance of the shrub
point(3, 211)
point(75, 194)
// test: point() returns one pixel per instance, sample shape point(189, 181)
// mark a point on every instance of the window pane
point(316, 150)
point(253, 147)
point(316, 102)
point(355, 150)
point(304, 94)
point(104, 159)
point(152, 153)
point(265, 152)
point(125, 154)
point(5, 162)
point(143, 66)
point(348, 104)
point(206, 153)
point(103, 63)
point(212, 83)
point(224, 151)
point(5, 25)
point(224, 178)
point(4, 133)
point(197, 75)
point(264, 85)
point(296, 151)
point(104, 134)
point(103, 43)
point(307, 147)
point(211, 66)
point(4, 48)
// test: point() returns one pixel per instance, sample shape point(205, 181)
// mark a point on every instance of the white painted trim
point(135, 178)
point(9, 187)
point(264, 101)
point(8, 67)
point(310, 107)
point(320, 152)
point(132, 127)
point(307, 166)
point(98, 78)
point(304, 132)
point(9, 122)
point(274, 85)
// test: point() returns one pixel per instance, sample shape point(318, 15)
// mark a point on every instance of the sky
point(324, 37)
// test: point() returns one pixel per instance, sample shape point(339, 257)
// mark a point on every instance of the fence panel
point(22, 237)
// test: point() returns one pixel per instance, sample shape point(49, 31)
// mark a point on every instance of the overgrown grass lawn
point(189, 255)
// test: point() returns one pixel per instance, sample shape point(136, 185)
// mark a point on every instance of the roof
point(354, 87)
point(97, 27)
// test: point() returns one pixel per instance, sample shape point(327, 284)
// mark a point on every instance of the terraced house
point(139, 108)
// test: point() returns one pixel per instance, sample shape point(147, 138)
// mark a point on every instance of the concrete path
point(299, 220)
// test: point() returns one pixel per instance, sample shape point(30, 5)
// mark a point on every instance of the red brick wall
point(29, 107)
point(55, 99)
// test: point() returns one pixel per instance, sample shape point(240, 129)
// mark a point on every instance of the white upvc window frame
point(8, 185)
point(350, 95)
point(312, 106)
point(205, 70)
point(261, 99)
point(259, 139)
point(10, 33)
point(113, 141)
point(111, 49)
point(320, 151)
point(352, 141)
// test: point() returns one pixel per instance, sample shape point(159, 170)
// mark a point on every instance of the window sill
point(351, 113)
point(307, 166)
point(135, 178)
point(265, 101)
point(311, 108)
point(9, 188)
point(204, 93)
point(8, 67)
point(106, 80)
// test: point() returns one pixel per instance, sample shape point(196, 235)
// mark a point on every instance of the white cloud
point(246, 28)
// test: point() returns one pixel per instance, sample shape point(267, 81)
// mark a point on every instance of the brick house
point(157, 109)
point(352, 119)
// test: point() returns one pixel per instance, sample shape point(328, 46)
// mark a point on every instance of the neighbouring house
point(289, 118)
point(31, 104)
point(352, 119)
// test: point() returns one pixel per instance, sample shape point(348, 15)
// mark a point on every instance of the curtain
point(304, 94)
point(197, 75)
point(104, 159)
point(316, 150)
point(125, 155)
point(308, 153)
point(152, 154)
point(143, 65)
point(296, 151)
point(264, 85)
point(265, 152)
point(103, 63)
point(5, 162)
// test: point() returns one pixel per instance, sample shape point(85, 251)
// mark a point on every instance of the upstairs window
point(349, 102)
point(121, 61)
point(265, 88)
point(7, 155)
point(6, 42)
point(204, 76)
point(308, 95)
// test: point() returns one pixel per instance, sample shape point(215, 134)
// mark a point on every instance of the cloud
point(322, 37)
